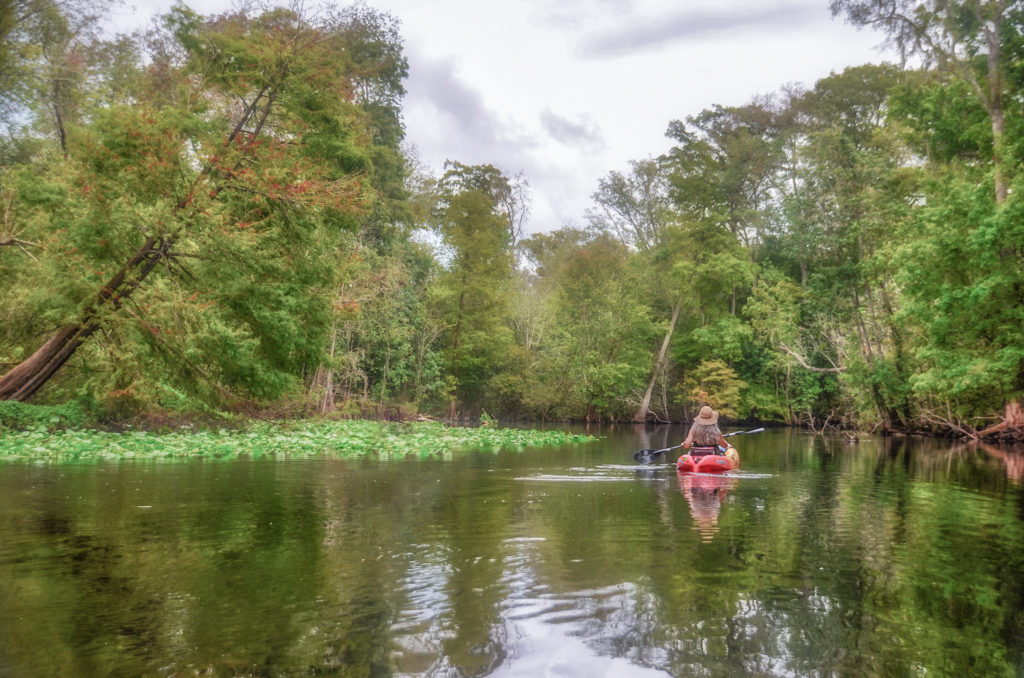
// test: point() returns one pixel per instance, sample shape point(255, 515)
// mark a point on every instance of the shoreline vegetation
point(307, 438)
point(221, 214)
point(71, 432)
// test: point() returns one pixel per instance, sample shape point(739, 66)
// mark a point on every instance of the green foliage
point(471, 295)
point(383, 329)
point(634, 206)
point(716, 384)
point(23, 416)
point(944, 121)
point(242, 216)
point(230, 219)
point(329, 439)
point(962, 274)
point(593, 356)
point(725, 338)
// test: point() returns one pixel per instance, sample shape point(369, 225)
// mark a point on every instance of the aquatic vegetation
point(310, 438)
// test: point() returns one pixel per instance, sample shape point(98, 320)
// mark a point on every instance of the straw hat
point(707, 417)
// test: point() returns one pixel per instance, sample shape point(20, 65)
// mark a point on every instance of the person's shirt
point(720, 442)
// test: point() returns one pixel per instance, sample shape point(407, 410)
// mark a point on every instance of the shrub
point(23, 416)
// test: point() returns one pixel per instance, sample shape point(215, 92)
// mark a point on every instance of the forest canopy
point(220, 213)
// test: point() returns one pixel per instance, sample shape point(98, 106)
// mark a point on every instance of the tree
point(633, 207)
point(51, 50)
point(725, 166)
point(473, 221)
point(964, 39)
point(248, 165)
point(854, 191)
point(775, 312)
point(591, 358)
point(719, 177)
point(383, 340)
point(965, 302)
point(378, 71)
point(510, 196)
point(968, 41)
point(716, 384)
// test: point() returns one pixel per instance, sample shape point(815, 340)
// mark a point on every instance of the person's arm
point(723, 443)
point(688, 443)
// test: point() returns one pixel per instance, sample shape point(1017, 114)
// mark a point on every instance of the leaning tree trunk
point(26, 378)
point(645, 404)
point(22, 382)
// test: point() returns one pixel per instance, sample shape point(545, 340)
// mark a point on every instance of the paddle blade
point(647, 456)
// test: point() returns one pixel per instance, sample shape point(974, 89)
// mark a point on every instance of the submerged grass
point(311, 438)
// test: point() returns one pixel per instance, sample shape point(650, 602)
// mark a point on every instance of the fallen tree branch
point(1012, 425)
point(949, 421)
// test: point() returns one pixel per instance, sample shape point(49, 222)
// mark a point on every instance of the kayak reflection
point(705, 493)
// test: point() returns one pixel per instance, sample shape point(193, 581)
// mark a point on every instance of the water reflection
point(1012, 457)
point(564, 562)
point(705, 494)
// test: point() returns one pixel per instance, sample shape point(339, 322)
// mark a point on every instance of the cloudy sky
point(566, 91)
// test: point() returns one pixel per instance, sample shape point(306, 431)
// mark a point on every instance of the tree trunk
point(25, 379)
point(325, 376)
point(62, 134)
point(995, 107)
point(22, 381)
point(899, 352)
point(885, 413)
point(384, 376)
point(327, 399)
point(1015, 414)
point(645, 404)
point(1012, 425)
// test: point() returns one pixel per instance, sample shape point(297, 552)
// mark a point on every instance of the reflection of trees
point(1012, 457)
point(851, 560)
point(137, 564)
point(467, 521)
point(836, 564)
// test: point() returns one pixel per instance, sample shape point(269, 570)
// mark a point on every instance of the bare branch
point(17, 241)
point(803, 362)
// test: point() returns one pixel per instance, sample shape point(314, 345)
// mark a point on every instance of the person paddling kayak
point(705, 437)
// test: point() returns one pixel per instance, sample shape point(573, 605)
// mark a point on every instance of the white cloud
point(583, 132)
point(451, 118)
point(567, 92)
point(721, 22)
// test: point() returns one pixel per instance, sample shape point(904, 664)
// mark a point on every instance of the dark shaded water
point(816, 558)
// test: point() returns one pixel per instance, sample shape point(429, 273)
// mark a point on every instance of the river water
point(816, 558)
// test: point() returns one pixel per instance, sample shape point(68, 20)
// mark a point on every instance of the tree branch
point(17, 241)
point(803, 362)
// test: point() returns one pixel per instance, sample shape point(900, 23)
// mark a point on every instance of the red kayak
point(693, 462)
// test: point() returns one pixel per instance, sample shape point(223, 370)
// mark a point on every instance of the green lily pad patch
point(304, 439)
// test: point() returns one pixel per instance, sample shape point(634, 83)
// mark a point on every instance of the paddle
point(647, 456)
